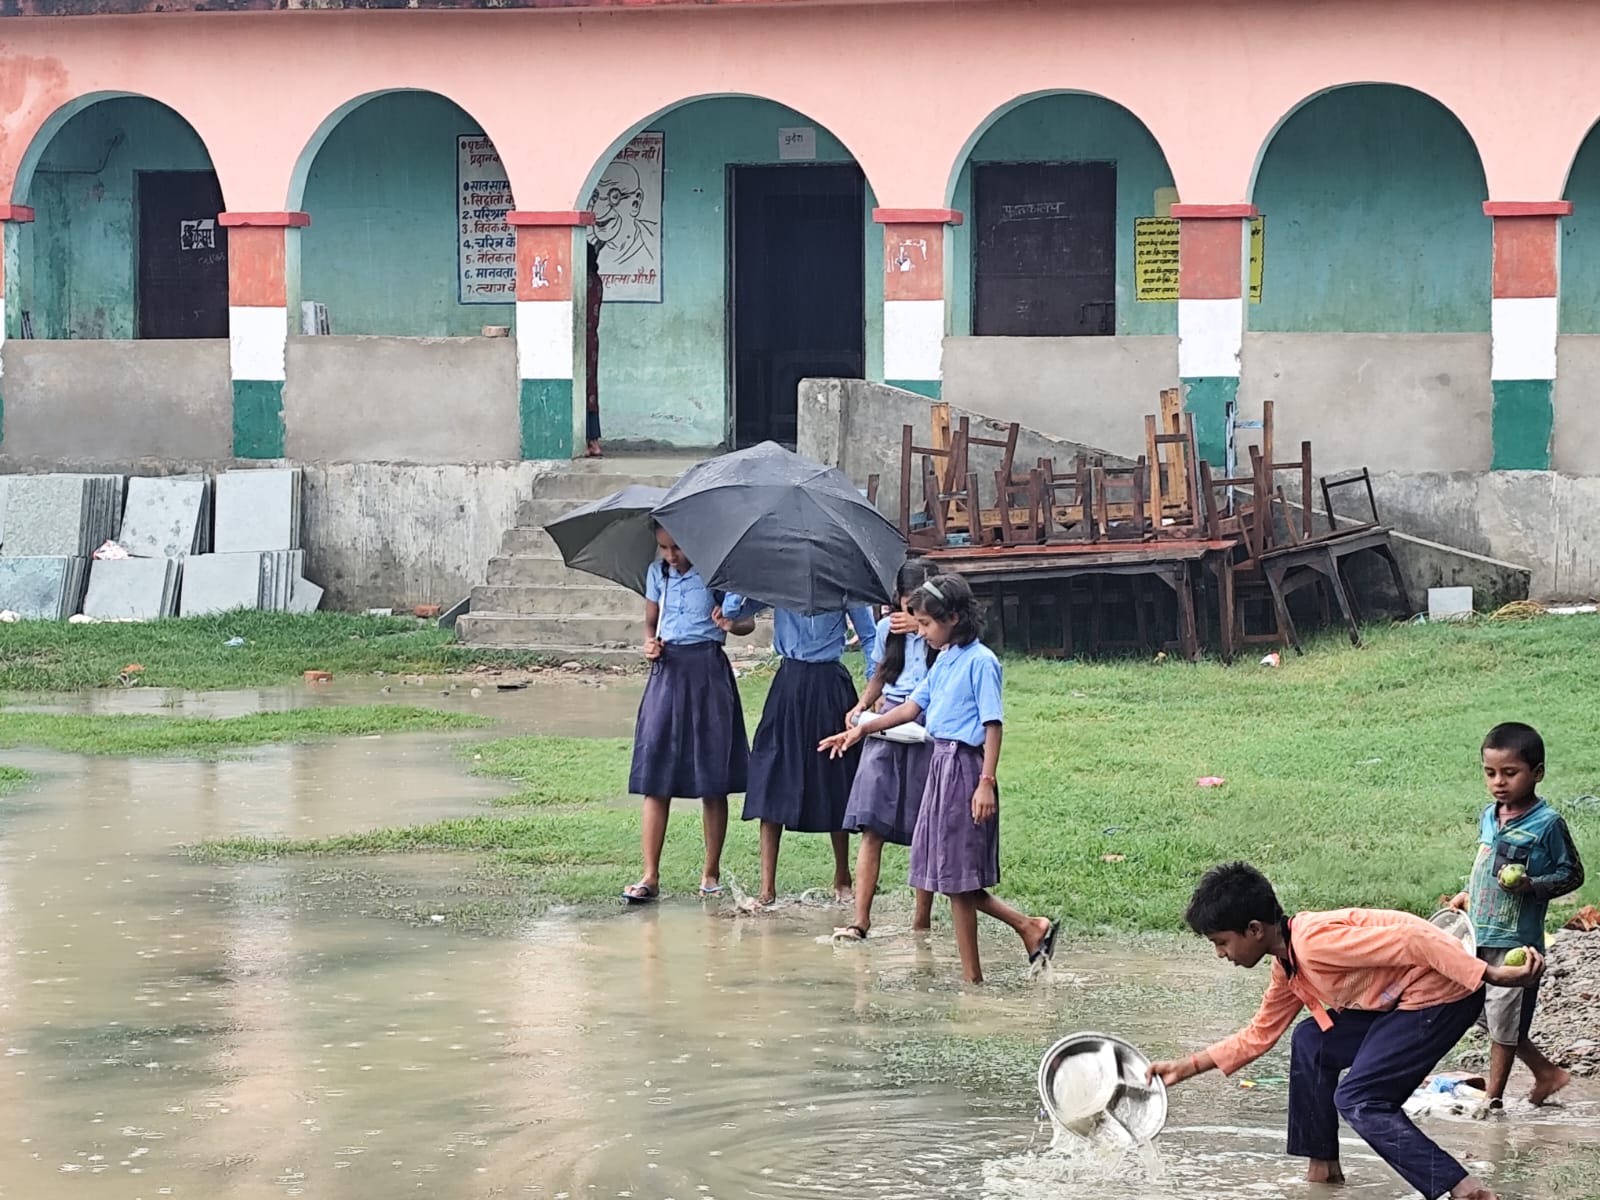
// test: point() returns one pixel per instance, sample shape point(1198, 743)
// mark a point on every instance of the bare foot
point(844, 893)
point(1322, 1170)
point(1548, 1086)
point(1471, 1189)
point(767, 899)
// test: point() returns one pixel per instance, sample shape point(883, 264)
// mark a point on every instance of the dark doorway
point(183, 256)
point(797, 307)
point(1045, 259)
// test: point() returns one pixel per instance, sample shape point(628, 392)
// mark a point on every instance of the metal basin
point(1093, 1085)
point(1458, 925)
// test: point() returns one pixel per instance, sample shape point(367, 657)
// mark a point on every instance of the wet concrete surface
point(306, 1027)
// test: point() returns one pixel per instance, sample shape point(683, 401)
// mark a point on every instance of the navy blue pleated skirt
point(791, 781)
point(689, 739)
point(887, 793)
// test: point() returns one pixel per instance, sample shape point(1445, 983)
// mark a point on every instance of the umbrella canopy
point(612, 537)
point(784, 530)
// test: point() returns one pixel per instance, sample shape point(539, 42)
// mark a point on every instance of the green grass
point(1353, 778)
point(142, 736)
point(11, 778)
point(191, 652)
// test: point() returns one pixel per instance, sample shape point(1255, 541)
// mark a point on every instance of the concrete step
point(503, 631)
point(579, 487)
point(537, 514)
point(527, 542)
point(524, 570)
point(567, 600)
point(552, 629)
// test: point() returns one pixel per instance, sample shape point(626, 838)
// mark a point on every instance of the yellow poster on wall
point(1155, 258)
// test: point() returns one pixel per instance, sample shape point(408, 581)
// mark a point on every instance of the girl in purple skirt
point(955, 849)
point(689, 739)
point(887, 793)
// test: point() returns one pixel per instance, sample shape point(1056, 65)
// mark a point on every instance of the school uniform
point(1390, 995)
point(791, 782)
point(689, 739)
point(887, 793)
point(951, 853)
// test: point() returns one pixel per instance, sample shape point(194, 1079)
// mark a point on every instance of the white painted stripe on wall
point(1210, 334)
point(2, 335)
point(913, 339)
point(257, 339)
point(544, 339)
point(1523, 341)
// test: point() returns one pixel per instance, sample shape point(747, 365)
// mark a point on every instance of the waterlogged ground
point(376, 1027)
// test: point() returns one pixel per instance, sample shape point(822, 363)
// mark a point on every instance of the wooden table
point(1323, 559)
point(1172, 561)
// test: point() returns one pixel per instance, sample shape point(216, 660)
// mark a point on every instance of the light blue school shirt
point(913, 673)
point(686, 603)
point(817, 639)
point(961, 694)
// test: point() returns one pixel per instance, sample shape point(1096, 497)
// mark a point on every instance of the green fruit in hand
point(1512, 875)
point(1517, 958)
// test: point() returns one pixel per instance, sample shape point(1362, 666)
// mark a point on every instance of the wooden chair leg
point(1286, 629)
point(1188, 634)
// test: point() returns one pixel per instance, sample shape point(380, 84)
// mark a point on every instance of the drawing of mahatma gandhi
point(624, 238)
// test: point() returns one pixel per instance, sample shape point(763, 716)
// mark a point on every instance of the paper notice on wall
point(627, 221)
point(1155, 258)
point(488, 247)
point(797, 144)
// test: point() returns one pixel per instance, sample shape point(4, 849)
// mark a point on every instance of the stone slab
point(41, 587)
point(217, 583)
point(142, 589)
point(257, 510)
point(162, 518)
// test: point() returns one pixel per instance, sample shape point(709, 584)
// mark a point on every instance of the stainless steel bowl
point(1093, 1085)
point(1458, 925)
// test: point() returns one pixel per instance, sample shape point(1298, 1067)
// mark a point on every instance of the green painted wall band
point(923, 387)
point(1524, 416)
point(1208, 399)
point(257, 418)
point(545, 409)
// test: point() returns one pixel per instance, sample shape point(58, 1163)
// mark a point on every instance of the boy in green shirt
point(1526, 858)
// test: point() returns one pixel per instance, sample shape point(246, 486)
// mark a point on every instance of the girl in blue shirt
point(887, 793)
point(689, 739)
point(955, 849)
point(791, 786)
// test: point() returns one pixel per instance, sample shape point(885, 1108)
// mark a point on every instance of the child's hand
point(1171, 1072)
point(1458, 902)
point(837, 745)
point(721, 619)
point(1520, 888)
point(902, 622)
point(984, 804)
point(1524, 976)
point(652, 648)
point(850, 717)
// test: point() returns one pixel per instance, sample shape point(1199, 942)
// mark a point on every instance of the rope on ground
point(1518, 610)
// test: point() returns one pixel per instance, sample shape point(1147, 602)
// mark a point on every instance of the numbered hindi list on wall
point(488, 254)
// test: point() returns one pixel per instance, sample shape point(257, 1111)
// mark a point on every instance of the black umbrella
point(611, 538)
point(784, 530)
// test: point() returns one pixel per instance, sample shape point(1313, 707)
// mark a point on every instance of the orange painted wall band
point(264, 220)
point(1527, 208)
point(256, 267)
point(522, 218)
point(1525, 256)
point(917, 216)
point(913, 262)
point(1215, 212)
point(544, 262)
point(1209, 263)
point(20, 213)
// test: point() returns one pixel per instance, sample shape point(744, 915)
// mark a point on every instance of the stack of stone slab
point(258, 562)
point(166, 519)
point(51, 525)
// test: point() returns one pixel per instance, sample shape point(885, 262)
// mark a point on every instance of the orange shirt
point(1369, 959)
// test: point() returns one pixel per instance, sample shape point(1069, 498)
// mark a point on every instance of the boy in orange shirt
point(1389, 996)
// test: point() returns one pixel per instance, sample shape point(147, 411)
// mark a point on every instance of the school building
point(352, 236)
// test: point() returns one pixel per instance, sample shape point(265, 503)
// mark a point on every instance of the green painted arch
point(22, 185)
point(580, 202)
point(964, 156)
point(1580, 240)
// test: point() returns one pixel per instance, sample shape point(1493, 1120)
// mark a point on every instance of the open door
point(183, 256)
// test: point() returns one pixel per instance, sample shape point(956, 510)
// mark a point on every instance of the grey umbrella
point(611, 538)
point(784, 530)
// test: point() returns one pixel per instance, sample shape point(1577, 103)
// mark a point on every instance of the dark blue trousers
point(1387, 1056)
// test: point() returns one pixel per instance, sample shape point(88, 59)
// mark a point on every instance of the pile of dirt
point(1567, 1024)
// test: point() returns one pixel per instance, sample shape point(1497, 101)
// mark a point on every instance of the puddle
point(585, 706)
point(303, 1028)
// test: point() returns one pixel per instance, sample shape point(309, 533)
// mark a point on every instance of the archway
point(1059, 191)
point(1372, 202)
point(408, 237)
point(739, 256)
point(125, 241)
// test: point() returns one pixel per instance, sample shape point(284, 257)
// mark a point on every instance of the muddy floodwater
point(325, 1028)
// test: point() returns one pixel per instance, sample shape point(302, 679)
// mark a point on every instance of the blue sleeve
point(874, 649)
point(1566, 868)
point(867, 630)
point(733, 606)
point(652, 583)
point(986, 679)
